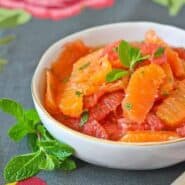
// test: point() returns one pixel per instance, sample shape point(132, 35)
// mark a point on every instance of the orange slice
point(72, 51)
point(168, 83)
point(175, 62)
point(71, 101)
point(149, 136)
point(142, 91)
point(90, 72)
point(52, 85)
point(172, 110)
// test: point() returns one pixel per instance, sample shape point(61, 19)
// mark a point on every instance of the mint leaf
point(159, 52)
point(32, 116)
point(23, 166)
point(130, 56)
point(174, 6)
point(32, 142)
point(60, 150)
point(48, 152)
point(84, 118)
point(3, 62)
point(13, 108)
point(6, 40)
point(13, 18)
point(18, 131)
point(124, 53)
point(47, 163)
point(78, 93)
point(128, 106)
point(84, 66)
point(116, 74)
point(68, 165)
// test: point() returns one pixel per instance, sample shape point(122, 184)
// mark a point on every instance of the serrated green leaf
point(13, 108)
point(130, 56)
point(60, 150)
point(116, 74)
point(13, 18)
point(18, 131)
point(32, 116)
point(6, 40)
point(22, 167)
point(32, 142)
point(68, 165)
point(47, 163)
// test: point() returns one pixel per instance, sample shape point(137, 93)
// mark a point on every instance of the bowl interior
point(101, 35)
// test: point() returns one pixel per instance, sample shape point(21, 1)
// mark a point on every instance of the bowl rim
point(79, 134)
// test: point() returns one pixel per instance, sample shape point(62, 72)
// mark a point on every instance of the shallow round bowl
point(106, 153)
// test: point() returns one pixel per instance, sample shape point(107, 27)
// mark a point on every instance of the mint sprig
point(47, 153)
point(13, 18)
point(129, 55)
point(174, 6)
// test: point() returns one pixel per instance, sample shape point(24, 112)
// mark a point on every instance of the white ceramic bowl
point(103, 152)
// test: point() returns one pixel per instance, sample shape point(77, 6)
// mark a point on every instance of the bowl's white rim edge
point(81, 135)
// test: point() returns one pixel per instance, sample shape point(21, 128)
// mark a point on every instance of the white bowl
point(98, 151)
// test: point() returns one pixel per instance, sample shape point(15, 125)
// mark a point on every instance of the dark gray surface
point(32, 40)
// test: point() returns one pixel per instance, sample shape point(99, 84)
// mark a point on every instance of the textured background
point(32, 40)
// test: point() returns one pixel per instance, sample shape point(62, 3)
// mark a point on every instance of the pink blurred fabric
point(55, 9)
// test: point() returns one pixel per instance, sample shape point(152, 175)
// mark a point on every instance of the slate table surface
point(23, 54)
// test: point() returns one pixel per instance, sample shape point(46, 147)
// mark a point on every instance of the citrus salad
point(124, 91)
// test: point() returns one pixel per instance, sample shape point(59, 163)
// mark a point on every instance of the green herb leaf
point(6, 40)
point(3, 62)
point(159, 52)
point(129, 55)
point(32, 142)
point(128, 106)
point(68, 165)
point(174, 6)
point(23, 166)
point(48, 152)
point(84, 66)
point(13, 18)
point(13, 108)
point(18, 131)
point(47, 163)
point(60, 150)
point(116, 74)
point(84, 118)
point(124, 53)
point(32, 116)
point(65, 80)
point(78, 93)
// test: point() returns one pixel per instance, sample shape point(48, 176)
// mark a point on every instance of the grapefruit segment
point(172, 110)
point(149, 136)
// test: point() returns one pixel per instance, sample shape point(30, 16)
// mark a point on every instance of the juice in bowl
point(115, 93)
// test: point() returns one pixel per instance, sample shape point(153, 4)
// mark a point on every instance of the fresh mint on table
point(12, 18)
point(129, 57)
point(47, 153)
point(174, 6)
